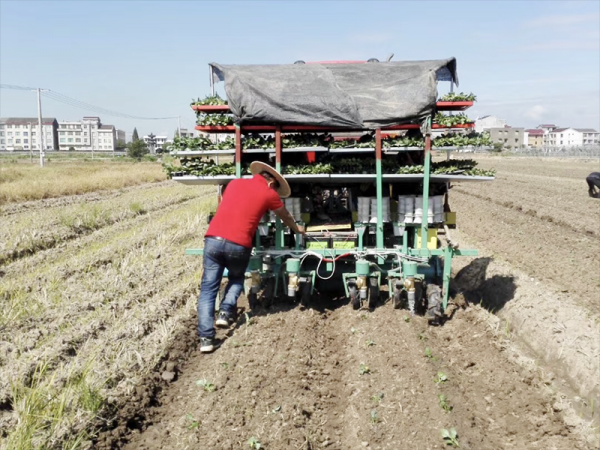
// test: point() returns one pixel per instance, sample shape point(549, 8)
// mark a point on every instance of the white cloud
point(536, 112)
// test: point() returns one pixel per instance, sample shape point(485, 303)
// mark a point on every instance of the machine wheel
point(434, 303)
point(399, 298)
point(252, 300)
point(305, 293)
point(374, 292)
point(354, 296)
point(268, 293)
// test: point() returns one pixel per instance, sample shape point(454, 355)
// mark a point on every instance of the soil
point(520, 370)
point(291, 379)
point(537, 216)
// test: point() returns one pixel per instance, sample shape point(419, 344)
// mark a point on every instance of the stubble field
point(98, 341)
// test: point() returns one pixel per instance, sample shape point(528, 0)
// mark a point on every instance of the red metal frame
point(441, 106)
point(278, 145)
point(310, 128)
point(211, 108)
point(238, 144)
point(453, 106)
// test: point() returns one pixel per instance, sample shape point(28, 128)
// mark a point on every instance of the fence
point(583, 152)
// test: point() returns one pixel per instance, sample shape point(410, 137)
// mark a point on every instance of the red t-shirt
point(244, 203)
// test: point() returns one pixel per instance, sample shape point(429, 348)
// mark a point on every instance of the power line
point(61, 98)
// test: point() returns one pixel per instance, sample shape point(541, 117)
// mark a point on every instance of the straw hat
point(283, 190)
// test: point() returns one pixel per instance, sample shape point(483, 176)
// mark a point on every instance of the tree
point(121, 145)
point(176, 134)
point(135, 136)
point(137, 149)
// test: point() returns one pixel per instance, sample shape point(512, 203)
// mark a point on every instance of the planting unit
point(377, 215)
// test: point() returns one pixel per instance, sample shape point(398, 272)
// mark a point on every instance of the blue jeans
point(218, 255)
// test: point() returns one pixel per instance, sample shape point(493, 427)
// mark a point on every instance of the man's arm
point(288, 220)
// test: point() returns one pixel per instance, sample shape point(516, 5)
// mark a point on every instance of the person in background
point(228, 243)
point(593, 181)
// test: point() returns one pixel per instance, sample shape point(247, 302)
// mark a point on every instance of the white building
point(487, 122)
point(21, 134)
point(571, 137)
point(187, 134)
point(159, 141)
point(86, 135)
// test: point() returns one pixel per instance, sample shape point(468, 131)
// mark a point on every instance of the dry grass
point(41, 228)
point(85, 322)
point(19, 182)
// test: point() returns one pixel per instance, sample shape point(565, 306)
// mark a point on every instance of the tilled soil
point(291, 378)
point(537, 215)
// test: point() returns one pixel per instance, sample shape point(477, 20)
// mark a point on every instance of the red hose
point(335, 259)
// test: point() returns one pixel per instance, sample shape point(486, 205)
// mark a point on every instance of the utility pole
point(179, 126)
point(39, 99)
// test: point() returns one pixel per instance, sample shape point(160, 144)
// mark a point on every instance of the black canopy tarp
point(354, 95)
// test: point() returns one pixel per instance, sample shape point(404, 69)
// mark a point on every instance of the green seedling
point(450, 437)
point(206, 385)
point(428, 354)
point(441, 377)
point(364, 369)
point(422, 337)
point(249, 320)
point(363, 316)
point(192, 423)
point(374, 417)
point(444, 403)
point(353, 330)
point(377, 397)
point(369, 343)
point(254, 443)
point(225, 365)
point(406, 319)
point(276, 410)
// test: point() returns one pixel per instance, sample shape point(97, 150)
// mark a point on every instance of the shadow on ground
point(491, 293)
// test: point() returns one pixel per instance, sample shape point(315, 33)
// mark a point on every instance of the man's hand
point(301, 230)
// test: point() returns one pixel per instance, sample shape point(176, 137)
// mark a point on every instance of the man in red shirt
point(228, 243)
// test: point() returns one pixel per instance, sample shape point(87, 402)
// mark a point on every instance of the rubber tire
point(434, 303)
point(374, 292)
point(354, 297)
point(305, 293)
point(252, 300)
point(397, 299)
point(268, 294)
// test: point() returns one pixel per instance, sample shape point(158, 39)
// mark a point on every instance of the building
point(86, 135)
point(159, 141)
point(535, 137)
point(546, 128)
point(186, 134)
point(509, 137)
point(487, 122)
point(571, 137)
point(21, 134)
point(120, 136)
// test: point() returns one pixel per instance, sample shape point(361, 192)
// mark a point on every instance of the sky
point(528, 62)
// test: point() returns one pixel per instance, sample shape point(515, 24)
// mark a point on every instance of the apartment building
point(22, 134)
point(486, 122)
point(508, 136)
point(158, 143)
point(571, 137)
point(87, 134)
point(535, 137)
point(120, 136)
